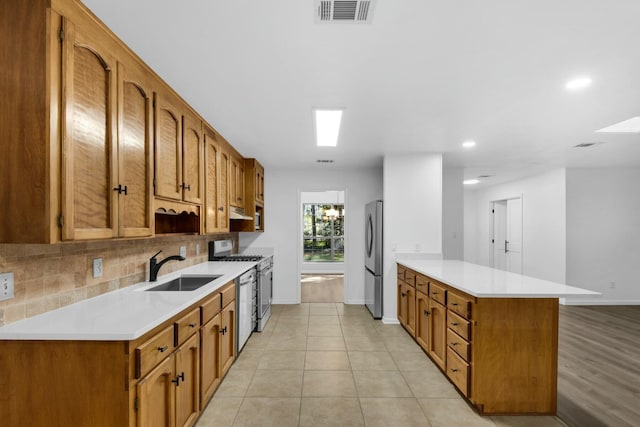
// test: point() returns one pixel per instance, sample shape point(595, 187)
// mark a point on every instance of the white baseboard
point(569, 301)
point(355, 302)
point(285, 301)
point(390, 320)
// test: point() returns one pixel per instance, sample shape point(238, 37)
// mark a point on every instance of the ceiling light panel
point(470, 181)
point(631, 125)
point(469, 144)
point(327, 127)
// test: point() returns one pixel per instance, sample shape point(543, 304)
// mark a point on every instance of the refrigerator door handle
point(369, 233)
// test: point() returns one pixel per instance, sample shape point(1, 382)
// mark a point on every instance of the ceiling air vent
point(324, 161)
point(347, 11)
point(585, 145)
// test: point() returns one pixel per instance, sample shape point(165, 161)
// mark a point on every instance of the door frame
point(492, 229)
point(301, 243)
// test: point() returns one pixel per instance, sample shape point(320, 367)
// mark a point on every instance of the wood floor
point(599, 366)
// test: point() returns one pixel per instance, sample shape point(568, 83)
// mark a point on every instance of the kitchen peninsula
point(494, 333)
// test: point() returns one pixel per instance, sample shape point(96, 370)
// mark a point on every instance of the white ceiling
point(424, 76)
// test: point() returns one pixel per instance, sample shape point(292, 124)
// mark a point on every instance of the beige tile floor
point(322, 288)
point(330, 364)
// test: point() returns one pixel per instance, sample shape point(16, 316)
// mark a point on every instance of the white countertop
point(125, 314)
point(481, 281)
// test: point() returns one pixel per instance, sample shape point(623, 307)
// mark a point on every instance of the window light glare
point(469, 144)
point(470, 181)
point(578, 83)
point(327, 127)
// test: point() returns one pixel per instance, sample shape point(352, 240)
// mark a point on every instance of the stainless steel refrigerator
point(373, 258)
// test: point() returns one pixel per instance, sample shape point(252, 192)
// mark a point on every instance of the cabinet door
point(260, 184)
point(437, 332)
point(88, 128)
point(213, 210)
point(411, 310)
point(223, 190)
point(228, 341)
point(156, 397)
point(402, 304)
point(168, 146)
point(192, 152)
point(233, 181)
point(135, 162)
point(240, 183)
point(188, 390)
point(210, 359)
point(422, 320)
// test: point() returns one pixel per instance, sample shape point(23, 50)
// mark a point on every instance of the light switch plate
point(183, 251)
point(6, 286)
point(97, 268)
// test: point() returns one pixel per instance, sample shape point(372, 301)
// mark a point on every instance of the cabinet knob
point(454, 324)
point(453, 344)
point(454, 370)
point(434, 293)
point(193, 325)
point(221, 209)
point(121, 189)
point(403, 294)
point(163, 349)
point(426, 312)
point(186, 186)
point(455, 304)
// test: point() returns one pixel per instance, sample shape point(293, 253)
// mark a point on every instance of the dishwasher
point(246, 306)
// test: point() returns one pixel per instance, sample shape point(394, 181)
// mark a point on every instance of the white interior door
point(499, 211)
point(507, 235)
point(514, 236)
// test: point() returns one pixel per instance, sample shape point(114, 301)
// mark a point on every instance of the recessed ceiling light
point(578, 83)
point(470, 181)
point(469, 144)
point(327, 127)
point(631, 125)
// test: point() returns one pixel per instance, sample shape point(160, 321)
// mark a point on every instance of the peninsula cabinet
point(500, 352)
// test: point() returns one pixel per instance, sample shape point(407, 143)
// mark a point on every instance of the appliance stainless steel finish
point(373, 258)
point(246, 288)
point(265, 291)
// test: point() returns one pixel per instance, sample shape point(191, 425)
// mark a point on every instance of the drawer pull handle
point(163, 349)
point(177, 379)
point(454, 370)
point(193, 325)
point(455, 304)
point(454, 324)
point(404, 294)
point(434, 293)
point(453, 344)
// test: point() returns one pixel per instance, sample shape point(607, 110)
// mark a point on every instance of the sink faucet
point(154, 266)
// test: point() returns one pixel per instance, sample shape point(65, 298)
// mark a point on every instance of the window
point(323, 234)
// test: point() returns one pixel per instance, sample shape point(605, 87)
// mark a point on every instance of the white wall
point(452, 213)
point(603, 233)
point(412, 219)
point(283, 217)
point(543, 223)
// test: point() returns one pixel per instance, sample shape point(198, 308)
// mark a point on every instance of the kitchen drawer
point(228, 293)
point(458, 371)
point(410, 277)
point(458, 344)
point(401, 271)
point(460, 304)
point(422, 284)
point(186, 326)
point(459, 325)
point(210, 308)
point(437, 292)
point(153, 351)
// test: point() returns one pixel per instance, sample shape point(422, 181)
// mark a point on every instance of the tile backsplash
point(47, 277)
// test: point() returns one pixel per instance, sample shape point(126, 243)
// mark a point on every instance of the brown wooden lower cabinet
point(163, 378)
point(500, 353)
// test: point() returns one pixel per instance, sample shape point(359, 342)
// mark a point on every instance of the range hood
point(238, 213)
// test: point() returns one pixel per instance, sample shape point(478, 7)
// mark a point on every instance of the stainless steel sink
point(184, 284)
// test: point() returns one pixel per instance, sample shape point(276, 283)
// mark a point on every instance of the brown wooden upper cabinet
point(216, 171)
point(106, 180)
point(254, 195)
point(236, 182)
point(179, 148)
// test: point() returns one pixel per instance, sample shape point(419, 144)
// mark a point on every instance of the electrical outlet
point(183, 251)
point(6, 286)
point(197, 249)
point(97, 268)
